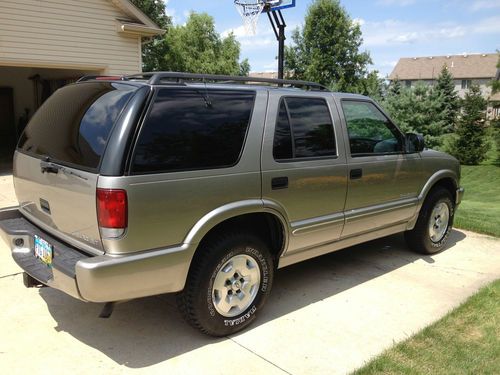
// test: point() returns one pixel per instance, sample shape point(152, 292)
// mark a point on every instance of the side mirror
point(414, 142)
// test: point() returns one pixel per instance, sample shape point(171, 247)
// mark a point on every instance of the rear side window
point(191, 129)
point(72, 127)
point(304, 129)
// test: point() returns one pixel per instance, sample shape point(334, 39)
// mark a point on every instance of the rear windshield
point(72, 127)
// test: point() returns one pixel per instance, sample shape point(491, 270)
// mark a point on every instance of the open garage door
point(22, 92)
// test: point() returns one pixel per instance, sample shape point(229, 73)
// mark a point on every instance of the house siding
point(67, 34)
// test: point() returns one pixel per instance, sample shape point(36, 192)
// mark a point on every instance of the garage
point(22, 91)
point(45, 45)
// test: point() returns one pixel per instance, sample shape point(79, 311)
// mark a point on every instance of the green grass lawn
point(480, 208)
point(466, 341)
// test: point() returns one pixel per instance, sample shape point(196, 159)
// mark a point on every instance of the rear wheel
point(434, 223)
point(228, 284)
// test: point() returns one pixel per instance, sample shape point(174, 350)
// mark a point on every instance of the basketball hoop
point(250, 11)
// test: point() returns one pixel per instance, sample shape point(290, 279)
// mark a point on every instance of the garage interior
point(22, 92)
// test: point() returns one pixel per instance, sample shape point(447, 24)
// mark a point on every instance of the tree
point(197, 48)
point(395, 87)
point(154, 50)
point(417, 109)
point(495, 123)
point(470, 145)
point(495, 83)
point(450, 103)
point(327, 49)
point(372, 85)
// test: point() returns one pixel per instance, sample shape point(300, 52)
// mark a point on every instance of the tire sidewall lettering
point(241, 319)
point(257, 255)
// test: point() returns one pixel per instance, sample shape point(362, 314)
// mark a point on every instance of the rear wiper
point(71, 173)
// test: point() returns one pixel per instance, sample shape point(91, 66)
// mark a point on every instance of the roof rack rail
point(102, 78)
point(155, 78)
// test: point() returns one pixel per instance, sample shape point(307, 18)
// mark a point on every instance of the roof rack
point(155, 78)
point(101, 78)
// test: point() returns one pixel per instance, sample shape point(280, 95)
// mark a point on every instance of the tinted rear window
point(304, 129)
point(72, 127)
point(193, 129)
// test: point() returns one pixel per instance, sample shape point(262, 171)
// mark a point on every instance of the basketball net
point(250, 11)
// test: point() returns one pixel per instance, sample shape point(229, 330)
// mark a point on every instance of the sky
point(391, 28)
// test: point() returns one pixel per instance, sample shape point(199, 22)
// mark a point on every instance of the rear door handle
point(278, 183)
point(356, 174)
point(48, 167)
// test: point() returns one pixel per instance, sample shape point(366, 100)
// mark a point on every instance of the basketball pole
point(279, 26)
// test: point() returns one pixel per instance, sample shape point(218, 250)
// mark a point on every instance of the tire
point(431, 232)
point(228, 284)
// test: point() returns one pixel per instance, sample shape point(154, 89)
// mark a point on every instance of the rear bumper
point(95, 278)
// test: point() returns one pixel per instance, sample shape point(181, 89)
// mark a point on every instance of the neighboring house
point(467, 69)
point(270, 75)
point(46, 44)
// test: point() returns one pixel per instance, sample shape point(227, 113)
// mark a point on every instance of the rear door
point(304, 167)
point(57, 162)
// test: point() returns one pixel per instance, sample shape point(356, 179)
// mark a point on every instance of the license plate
point(44, 251)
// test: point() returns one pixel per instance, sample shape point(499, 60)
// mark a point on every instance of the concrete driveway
point(328, 315)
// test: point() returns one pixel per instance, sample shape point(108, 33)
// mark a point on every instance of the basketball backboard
point(279, 4)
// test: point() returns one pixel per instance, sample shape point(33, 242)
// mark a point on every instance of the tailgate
point(57, 163)
point(63, 203)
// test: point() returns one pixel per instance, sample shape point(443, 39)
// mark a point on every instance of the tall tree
point(154, 50)
point(395, 87)
point(450, 104)
point(372, 85)
point(327, 48)
point(495, 83)
point(196, 47)
point(470, 145)
point(495, 123)
point(417, 109)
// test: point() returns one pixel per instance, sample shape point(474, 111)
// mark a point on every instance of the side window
point(304, 129)
point(370, 132)
point(191, 129)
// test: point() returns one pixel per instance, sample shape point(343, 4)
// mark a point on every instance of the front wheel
point(228, 284)
point(434, 223)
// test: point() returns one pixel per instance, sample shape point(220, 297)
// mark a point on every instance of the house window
point(496, 113)
point(466, 83)
point(408, 83)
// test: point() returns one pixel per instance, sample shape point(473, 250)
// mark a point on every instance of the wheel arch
point(447, 179)
point(252, 215)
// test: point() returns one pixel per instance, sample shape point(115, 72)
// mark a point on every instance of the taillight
point(112, 208)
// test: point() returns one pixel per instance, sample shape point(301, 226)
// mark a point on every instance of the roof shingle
point(460, 66)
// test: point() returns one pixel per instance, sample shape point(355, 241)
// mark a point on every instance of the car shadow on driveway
point(148, 331)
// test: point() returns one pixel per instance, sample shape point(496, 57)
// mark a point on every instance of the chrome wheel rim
point(236, 285)
point(438, 223)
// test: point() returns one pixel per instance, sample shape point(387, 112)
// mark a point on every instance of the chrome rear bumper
point(92, 278)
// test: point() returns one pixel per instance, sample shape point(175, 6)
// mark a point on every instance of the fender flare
point(234, 209)
point(431, 182)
